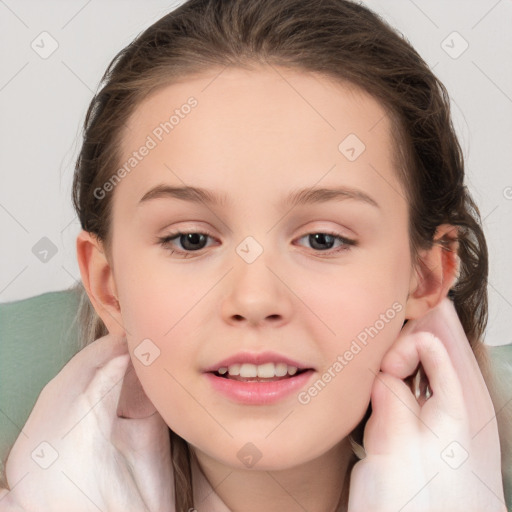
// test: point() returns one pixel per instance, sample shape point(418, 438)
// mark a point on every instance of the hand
point(110, 445)
point(440, 454)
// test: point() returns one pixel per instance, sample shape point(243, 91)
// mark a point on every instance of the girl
point(285, 280)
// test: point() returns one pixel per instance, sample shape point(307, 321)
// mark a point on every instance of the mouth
point(262, 378)
point(259, 385)
point(268, 372)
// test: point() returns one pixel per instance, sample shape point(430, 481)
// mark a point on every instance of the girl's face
point(258, 279)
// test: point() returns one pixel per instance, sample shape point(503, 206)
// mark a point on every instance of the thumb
point(133, 401)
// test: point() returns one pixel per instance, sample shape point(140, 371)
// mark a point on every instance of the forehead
point(269, 93)
point(243, 129)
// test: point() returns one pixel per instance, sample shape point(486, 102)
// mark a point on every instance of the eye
point(194, 241)
point(320, 240)
point(189, 240)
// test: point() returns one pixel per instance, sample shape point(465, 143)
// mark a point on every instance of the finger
point(443, 380)
point(133, 401)
point(394, 415)
point(443, 322)
point(414, 348)
point(402, 359)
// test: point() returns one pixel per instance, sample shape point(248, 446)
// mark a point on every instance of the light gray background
point(43, 102)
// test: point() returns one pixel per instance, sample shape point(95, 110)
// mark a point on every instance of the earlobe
point(98, 281)
point(437, 272)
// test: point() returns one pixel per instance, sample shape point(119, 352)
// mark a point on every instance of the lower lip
point(259, 393)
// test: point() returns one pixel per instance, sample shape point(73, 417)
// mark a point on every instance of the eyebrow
point(298, 197)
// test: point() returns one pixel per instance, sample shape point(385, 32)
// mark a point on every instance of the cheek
point(160, 322)
point(155, 298)
point(364, 302)
point(166, 368)
point(365, 328)
point(362, 311)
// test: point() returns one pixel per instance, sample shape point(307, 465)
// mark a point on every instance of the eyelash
point(347, 242)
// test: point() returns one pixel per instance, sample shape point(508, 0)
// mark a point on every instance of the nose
point(257, 293)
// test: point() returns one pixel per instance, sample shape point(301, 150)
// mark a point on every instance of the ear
point(437, 273)
point(98, 280)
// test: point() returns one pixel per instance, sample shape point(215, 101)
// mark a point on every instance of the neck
point(315, 486)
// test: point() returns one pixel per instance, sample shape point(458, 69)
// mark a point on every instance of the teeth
point(266, 371)
point(234, 369)
point(263, 371)
point(281, 369)
point(248, 370)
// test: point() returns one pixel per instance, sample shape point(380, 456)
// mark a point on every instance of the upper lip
point(256, 358)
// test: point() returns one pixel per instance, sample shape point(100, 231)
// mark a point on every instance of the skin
point(256, 135)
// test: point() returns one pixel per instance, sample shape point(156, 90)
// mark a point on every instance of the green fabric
point(501, 357)
point(39, 335)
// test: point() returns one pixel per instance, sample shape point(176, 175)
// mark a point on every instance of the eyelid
point(348, 242)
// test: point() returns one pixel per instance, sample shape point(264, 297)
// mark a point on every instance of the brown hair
point(341, 40)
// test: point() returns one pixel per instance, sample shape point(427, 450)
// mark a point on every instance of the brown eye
point(324, 242)
point(187, 242)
